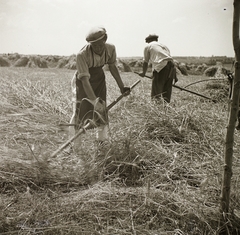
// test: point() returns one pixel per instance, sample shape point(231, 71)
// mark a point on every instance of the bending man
point(163, 68)
point(89, 80)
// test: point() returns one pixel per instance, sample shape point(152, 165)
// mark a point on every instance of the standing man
point(164, 71)
point(88, 83)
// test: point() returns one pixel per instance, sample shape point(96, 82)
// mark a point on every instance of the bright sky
point(59, 27)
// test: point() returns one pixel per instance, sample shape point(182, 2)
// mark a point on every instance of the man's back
point(157, 54)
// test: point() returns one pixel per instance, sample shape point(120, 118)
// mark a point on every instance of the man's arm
point(145, 67)
point(88, 88)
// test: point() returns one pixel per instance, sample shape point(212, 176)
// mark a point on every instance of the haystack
point(71, 64)
point(201, 68)
point(22, 62)
point(211, 71)
point(39, 62)
point(182, 67)
point(52, 61)
point(31, 64)
point(62, 63)
point(4, 62)
point(123, 66)
point(14, 57)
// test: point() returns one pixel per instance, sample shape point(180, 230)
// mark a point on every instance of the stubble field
point(160, 174)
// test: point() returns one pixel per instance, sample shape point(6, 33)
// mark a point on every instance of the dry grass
point(161, 173)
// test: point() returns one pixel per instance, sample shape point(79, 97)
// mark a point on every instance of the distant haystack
point(136, 63)
point(211, 71)
point(182, 67)
point(4, 62)
point(39, 62)
point(71, 64)
point(123, 66)
point(52, 61)
point(14, 57)
point(62, 63)
point(21, 62)
point(201, 68)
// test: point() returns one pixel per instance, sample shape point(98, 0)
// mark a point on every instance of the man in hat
point(163, 68)
point(88, 83)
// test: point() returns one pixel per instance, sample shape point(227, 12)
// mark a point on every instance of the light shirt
point(157, 54)
point(86, 59)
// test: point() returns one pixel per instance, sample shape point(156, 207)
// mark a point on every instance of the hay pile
point(4, 62)
point(62, 63)
point(159, 175)
point(21, 62)
point(37, 62)
point(123, 66)
point(71, 62)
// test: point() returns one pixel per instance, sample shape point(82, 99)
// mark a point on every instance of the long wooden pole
point(229, 141)
point(183, 89)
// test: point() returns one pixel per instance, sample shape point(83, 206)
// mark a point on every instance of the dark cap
point(151, 37)
point(95, 34)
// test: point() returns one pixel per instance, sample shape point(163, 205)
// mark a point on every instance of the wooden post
point(229, 141)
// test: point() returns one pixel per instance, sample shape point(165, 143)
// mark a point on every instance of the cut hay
point(211, 71)
point(4, 62)
point(182, 67)
point(14, 57)
point(71, 63)
point(160, 173)
point(123, 66)
point(39, 62)
point(62, 63)
point(21, 62)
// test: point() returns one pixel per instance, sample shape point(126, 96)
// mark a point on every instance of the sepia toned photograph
point(119, 117)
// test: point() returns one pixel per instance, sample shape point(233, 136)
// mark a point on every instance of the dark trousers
point(162, 82)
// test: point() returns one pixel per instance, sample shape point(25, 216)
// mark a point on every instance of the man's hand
point(125, 90)
point(99, 105)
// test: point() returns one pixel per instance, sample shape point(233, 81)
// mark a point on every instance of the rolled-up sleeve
point(82, 66)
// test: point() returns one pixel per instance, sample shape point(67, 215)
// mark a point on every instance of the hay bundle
point(182, 67)
point(71, 63)
point(52, 61)
point(62, 63)
point(211, 71)
point(139, 64)
point(133, 63)
point(31, 64)
point(14, 57)
point(201, 68)
point(22, 62)
point(123, 66)
point(4, 62)
point(51, 58)
point(39, 62)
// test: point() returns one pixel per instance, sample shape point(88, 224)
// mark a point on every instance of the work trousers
point(162, 82)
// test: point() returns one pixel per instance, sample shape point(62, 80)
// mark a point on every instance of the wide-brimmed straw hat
point(96, 34)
